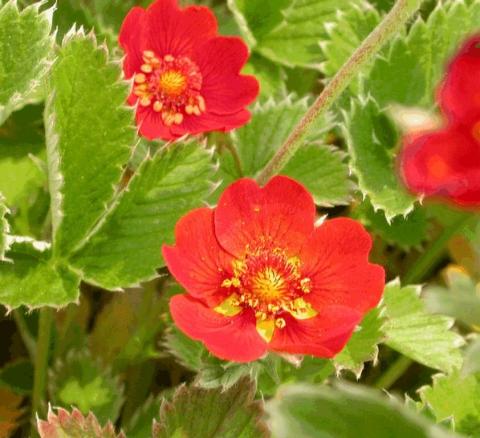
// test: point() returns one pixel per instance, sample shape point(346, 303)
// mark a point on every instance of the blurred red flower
point(259, 276)
point(446, 163)
point(186, 78)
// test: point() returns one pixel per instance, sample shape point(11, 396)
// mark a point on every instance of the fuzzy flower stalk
point(186, 77)
point(261, 277)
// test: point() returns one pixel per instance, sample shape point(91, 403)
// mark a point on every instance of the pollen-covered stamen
point(269, 282)
point(170, 86)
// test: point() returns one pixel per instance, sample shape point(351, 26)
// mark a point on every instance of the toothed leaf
point(345, 34)
point(370, 137)
point(80, 381)
point(405, 231)
point(89, 133)
point(212, 412)
point(471, 362)
point(126, 248)
point(412, 331)
point(34, 279)
point(288, 31)
point(458, 397)
point(324, 173)
point(25, 48)
point(410, 69)
point(345, 411)
point(320, 168)
point(362, 346)
point(64, 424)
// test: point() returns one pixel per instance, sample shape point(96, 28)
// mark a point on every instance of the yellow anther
point(178, 118)
point(280, 323)
point(189, 109)
point(146, 68)
point(145, 101)
point(140, 78)
point(196, 110)
point(306, 285)
point(157, 106)
point(148, 54)
point(169, 58)
point(201, 103)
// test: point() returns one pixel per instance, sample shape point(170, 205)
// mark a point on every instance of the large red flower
point(446, 163)
point(186, 78)
point(260, 277)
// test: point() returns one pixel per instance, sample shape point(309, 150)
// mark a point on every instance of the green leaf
point(80, 381)
point(409, 231)
point(197, 412)
point(211, 372)
point(17, 376)
point(126, 247)
point(288, 31)
point(471, 363)
point(324, 173)
point(74, 425)
point(362, 346)
point(346, 411)
point(277, 370)
point(319, 167)
point(415, 64)
point(270, 76)
point(459, 300)
point(458, 397)
point(370, 137)
point(34, 279)
point(25, 48)
point(140, 426)
point(4, 228)
point(423, 337)
point(89, 138)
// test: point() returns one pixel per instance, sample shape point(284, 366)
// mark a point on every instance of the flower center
point(170, 86)
point(270, 283)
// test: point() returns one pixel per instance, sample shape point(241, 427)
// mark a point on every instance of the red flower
point(446, 163)
point(186, 78)
point(259, 276)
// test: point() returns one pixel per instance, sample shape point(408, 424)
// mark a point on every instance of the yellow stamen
point(140, 78)
point(280, 323)
point(300, 309)
point(157, 106)
point(145, 101)
point(229, 307)
point(146, 68)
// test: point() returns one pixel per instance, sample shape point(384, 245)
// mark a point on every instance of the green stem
point(431, 256)
point(41, 360)
point(416, 273)
point(391, 23)
point(27, 338)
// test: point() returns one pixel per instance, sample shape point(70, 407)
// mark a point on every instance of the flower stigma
point(270, 283)
point(170, 86)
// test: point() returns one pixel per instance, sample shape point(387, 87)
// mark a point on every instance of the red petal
point(197, 261)
point(444, 164)
point(335, 259)
point(130, 39)
point(230, 338)
point(282, 212)
point(459, 95)
point(176, 31)
point(325, 335)
point(225, 90)
point(151, 126)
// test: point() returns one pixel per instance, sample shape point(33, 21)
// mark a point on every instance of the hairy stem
point(391, 23)
point(41, 360)
point(22, 328)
